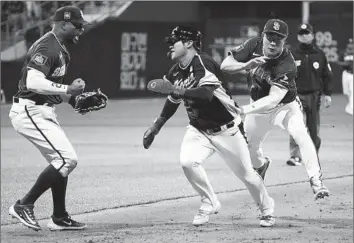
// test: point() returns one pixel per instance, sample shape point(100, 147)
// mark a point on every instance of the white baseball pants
point(289, 117)
point(197, 146)
point(39, 124)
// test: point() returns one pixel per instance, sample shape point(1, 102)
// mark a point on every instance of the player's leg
point(347, 85)
point(39, 125)
point(257, 127)
point(233, 148)
point(295, 155)
point(294, 124)
point(347, 79)
point(313, 119)
point(195, 149)
point(351, 94)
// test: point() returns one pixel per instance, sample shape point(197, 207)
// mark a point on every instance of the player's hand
point(77, 87)
point(327, 101)
point(152, 131)
point(255, 62)
point(240, 110)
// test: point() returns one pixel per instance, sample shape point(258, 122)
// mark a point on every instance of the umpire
point(314, 79)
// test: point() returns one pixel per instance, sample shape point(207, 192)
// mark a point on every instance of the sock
point(58, 193)
point(43, 183)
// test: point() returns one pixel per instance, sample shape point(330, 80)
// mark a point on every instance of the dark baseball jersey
point(51, 58)
point(203, 70)
point(280, 71)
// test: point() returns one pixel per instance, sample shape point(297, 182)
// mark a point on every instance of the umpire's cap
point(276, 26)
point(305, 29)
point(185, 33)
point(70, 14)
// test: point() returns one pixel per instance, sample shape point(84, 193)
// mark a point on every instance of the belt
point(221, 128)
point(24, 101)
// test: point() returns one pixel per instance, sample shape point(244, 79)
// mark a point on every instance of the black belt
point(17, 100)
point(221, 128)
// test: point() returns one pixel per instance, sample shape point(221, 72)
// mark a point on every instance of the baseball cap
point(276, 26)
point(305, 28)
point(70, 14)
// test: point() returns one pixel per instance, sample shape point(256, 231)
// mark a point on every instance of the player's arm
point(239, 58)
point(38, 69)
point(36, 81)
point(207, 82)
point(276, 94)
point(327, 77)
point(169, 109)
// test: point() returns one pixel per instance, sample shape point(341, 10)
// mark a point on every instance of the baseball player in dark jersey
point(33, 116)
point(274, 100)
point(213, 127)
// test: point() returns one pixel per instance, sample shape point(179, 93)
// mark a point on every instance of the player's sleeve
point(283, 80)
point(243, 52)
point(42, 60)
point(204, 71)
point(168, 77)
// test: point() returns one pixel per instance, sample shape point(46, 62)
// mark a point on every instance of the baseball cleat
point(25, 214)
point(204, 211)
point(294, 161)
point(64, 223)
point(318, 188)
point(267, 221)
point(263, 169)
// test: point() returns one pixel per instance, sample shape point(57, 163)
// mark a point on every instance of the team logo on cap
point(276, 26)
point(67, 15)
point(303, 26)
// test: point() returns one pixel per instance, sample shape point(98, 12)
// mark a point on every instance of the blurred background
point(124, 48)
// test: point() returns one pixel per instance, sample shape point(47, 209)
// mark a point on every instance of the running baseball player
point(196, 79)
point(33, 116)
point(274, 100)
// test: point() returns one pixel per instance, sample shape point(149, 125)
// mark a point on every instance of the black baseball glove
point(89, 101)
point(152, 131)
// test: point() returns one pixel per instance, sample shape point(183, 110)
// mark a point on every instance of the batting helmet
point(185, 33)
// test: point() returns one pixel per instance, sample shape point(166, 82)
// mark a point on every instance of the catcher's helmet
point(185, 33)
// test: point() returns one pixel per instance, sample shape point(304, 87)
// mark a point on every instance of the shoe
point(65, 223)
point(294, 161)
point(319, 189)
point(25, 214)
point(267, 221)
point(204, 211)
point(263, 169)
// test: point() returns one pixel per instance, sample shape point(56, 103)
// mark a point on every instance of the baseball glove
point(89, 101)
point(161, 86)
point(152, 131)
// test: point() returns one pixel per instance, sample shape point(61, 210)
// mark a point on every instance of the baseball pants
point(347, 83)
point(231, 145)
point(289, 117)
point(39, 124)
point(311, 104)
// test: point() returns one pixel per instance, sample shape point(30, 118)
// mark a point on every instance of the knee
point(65, 165)
point(188, 162)
point(251, 177)
point(72, 162)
